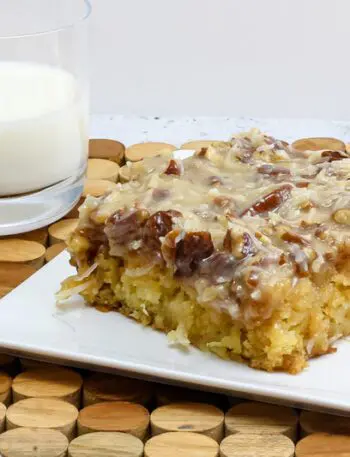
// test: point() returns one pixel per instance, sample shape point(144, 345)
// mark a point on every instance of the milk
point(43, 127)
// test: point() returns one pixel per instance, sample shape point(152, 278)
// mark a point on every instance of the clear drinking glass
point(43, 110)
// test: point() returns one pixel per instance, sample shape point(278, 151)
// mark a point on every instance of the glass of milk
point(43, 110)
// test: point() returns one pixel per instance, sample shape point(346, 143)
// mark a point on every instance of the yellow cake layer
point(308, 320)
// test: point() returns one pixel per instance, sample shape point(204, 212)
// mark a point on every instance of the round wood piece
point(5, 388)
point(40, 236)
point(261, 419)
point(31, 442)
point(197, 145)
point(13, 274)
point(43, 413)
point(323, 445)
point(114, 416)
point(59, 383)
point(317, 144)
point(313, 422)
point(107, 149)
point(54, 250)
point(4, 290)
point(106, 444)
point(100, 387)
point(141, 151)
point(15, 250)
point(60, 231)
point(242, 445)
point(97, 187)
point(190, 417)
point(166, 394)
point(180, 444)
point(2, 417)
point(102, 169)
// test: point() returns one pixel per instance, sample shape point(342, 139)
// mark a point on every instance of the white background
point(270, 58)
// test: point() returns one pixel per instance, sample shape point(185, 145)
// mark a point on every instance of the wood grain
point(54, 250)
point(318, 143)
point(106, 444)
point(242, 445)
point(323, 445)
point(40, 236)
point(141, 151)
point(31, 442)
point(59, 383)
point(197, 145)
point(5, 388)
point(97, 187)
point(313, 422)
point(13, 274)
point(191, 417)
point(100, 387)
point(102, 169)
point(43, 413)
point(261, 419)
point(181, 444)
point(114, 416)
point(20, 251)
point(60, 231)
point(107, 149)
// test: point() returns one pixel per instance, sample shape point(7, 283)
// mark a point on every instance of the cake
point(242, 250)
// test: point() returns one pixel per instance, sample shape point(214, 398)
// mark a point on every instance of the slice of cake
point(242, 250)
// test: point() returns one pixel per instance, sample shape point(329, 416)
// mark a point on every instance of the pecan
point(224, 202)
point(270, 201)
point(174, 168)
point(219, 267)
point(124, 228)
point(342, 216)
point(240, 245)
point(283, 259)
point(302, 184)
point(334, 155)
point(160, 194)
point(270, 170)
point(202, 152)
point(295, 238)
point(158, 225)
point(94, 234)
point(191, 251)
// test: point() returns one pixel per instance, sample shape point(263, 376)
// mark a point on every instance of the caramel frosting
point(231, 220)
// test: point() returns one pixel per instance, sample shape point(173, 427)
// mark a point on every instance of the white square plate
point(31, 324)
